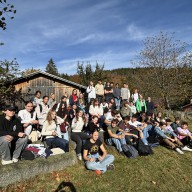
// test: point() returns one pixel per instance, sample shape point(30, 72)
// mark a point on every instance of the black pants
point(186, 141)
point(78, 137)
point(100, 98)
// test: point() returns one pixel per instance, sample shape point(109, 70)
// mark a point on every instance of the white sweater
point(48, 129)
point(95, 110)
point(77, 126)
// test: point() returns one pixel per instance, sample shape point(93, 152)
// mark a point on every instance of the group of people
point(124, 119)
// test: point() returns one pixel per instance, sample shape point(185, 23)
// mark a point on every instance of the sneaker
point(15, 160)
point(179, 151)
point(79, 156)
point(98, 172)
point(6, 162)
point(100, 130)
point(185, 148)
point(110, 167)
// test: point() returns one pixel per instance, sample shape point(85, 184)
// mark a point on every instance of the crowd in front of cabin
point(124, 118)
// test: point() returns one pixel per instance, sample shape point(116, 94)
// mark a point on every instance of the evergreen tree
point(51, 68)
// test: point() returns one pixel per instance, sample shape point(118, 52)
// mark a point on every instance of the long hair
point(49, 117)
point(77, 115)
point(96, 100)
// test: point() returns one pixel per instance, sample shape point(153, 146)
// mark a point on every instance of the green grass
point(165, 170)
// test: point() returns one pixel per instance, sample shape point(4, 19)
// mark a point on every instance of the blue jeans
point(118, 103)
point(58, 142)
point(65, 135)
point(146, 131)
point(117, 142)
point(101, 165)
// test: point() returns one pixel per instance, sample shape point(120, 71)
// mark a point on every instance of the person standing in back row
point(125, 92)
point(117, 95)
point(108, 90)
point(91, 91)
point(99, 89)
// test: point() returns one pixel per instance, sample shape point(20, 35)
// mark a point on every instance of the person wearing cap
point(11, 132)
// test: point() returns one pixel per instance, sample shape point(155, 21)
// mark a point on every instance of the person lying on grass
point(93, 160)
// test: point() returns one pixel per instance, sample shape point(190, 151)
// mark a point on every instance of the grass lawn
point(164, 171)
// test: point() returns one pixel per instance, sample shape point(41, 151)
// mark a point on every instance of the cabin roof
point(42, 73)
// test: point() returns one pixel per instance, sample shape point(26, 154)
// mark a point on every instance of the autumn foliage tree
point(8, 72)
point(167, 66)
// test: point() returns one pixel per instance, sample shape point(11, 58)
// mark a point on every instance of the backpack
point(27, 155)
point(143, 149)
point(130, 151)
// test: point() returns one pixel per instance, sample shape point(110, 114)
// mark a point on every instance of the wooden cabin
point(47, 84)
point(187, 108)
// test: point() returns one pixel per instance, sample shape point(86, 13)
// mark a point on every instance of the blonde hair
point(49, 116)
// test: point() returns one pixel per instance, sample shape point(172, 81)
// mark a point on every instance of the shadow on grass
point(68, 185)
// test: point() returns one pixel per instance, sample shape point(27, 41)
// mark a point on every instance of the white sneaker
point(15, 160)
point(185, 148)
point(179, 151)
point(101, 130)
point(6, 162)
point(79, 156)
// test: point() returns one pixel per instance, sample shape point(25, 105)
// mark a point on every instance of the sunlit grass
point(164, 171)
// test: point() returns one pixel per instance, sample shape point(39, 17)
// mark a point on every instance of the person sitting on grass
point(114, 137)
point(131, 133)
point(52, 134)
point(93, 159)
point(175, 124)
point(168, 125)
point(11, 134)
point(169, 138)
point(184, 134)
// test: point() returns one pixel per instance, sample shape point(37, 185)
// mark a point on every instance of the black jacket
point(10, 127)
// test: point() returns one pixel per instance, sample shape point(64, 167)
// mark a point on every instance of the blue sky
point(110, 32)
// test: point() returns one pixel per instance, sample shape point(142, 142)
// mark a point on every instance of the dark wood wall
point(46, 85)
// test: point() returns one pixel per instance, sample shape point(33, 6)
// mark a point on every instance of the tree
point(87, 74)
point(167, 62)
point(29, 71)
point(6, 10)
point(51, 68)
point(8, 72)
point(64, 76)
